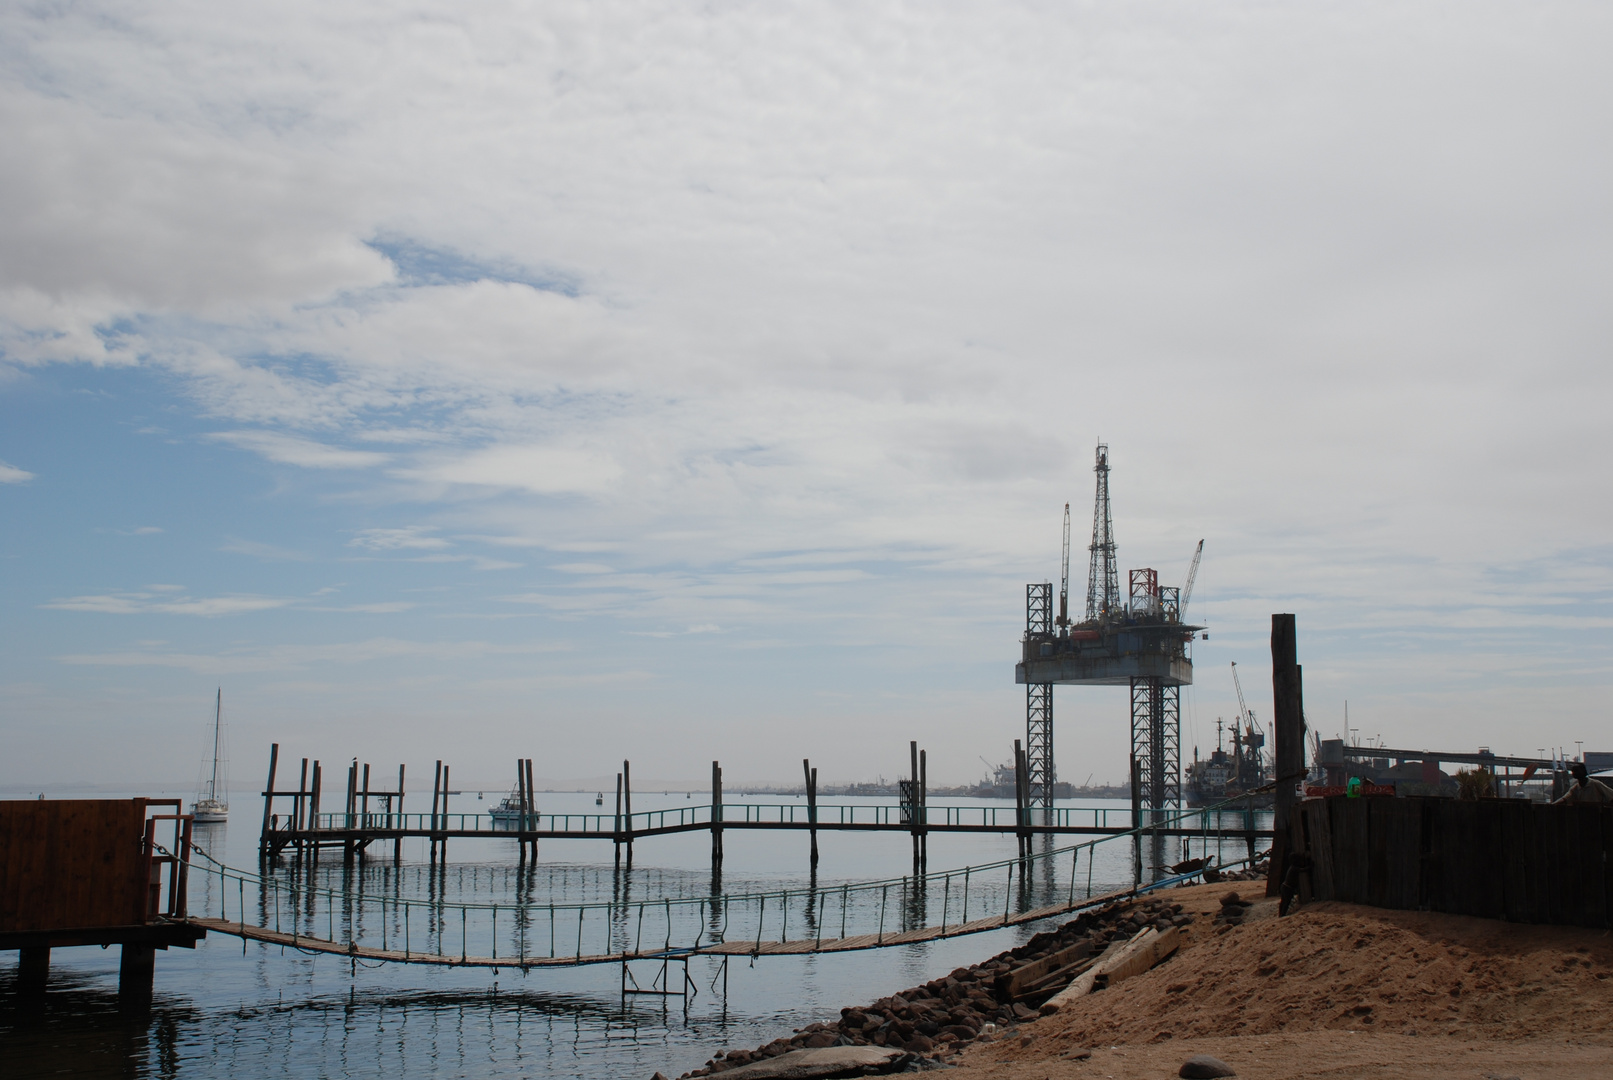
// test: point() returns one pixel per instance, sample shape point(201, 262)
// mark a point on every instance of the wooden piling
point(1020, 798)
point(616, 831)
point(268, 802)
point(137, 971)
point(1136, 821)
point(924, 809)
point(532, 808)
point(913, 797)
point(33, 970)
point(811, 777)
point(627, 803)
point(716, 813)
point(521, 802)
point(436, 795)
point(1288, 712)
point(443, 850)
point(397, 845)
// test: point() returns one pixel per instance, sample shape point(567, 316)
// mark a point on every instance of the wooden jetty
point(370, 816)
point(92, 872)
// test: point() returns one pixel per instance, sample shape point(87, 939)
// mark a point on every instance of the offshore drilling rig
point(1140, 641)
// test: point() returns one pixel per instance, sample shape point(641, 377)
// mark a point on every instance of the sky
point(684, 382)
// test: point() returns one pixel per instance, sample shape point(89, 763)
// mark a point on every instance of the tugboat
point(209, 808)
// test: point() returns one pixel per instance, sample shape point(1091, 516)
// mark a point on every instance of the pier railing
point(826, 816)
point(293, 910)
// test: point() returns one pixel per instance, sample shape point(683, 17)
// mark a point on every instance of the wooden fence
point(1494, 858)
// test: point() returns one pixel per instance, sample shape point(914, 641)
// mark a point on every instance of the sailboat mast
point(218, 717)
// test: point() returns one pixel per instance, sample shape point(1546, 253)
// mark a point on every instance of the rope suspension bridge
point(832, 918)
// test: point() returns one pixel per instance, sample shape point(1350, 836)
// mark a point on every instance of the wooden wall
point(1495, 858)
point(72, 864)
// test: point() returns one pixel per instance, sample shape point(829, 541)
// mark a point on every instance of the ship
point(1228, 773)
point(212, 802)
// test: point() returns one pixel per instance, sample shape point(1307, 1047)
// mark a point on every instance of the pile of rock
point(973, 1004)
point(1233, 908)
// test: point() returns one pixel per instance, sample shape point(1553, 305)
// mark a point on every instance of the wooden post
point(520, 799)
point(1019, 796)
point(913, 798)
point(268, 802)
point(137, 970)
point(443, 851)
point(352, 802)
point(616, 833)
point(33, 970)
point(532, 808)
point(397, 844)
point(811, 778)
point(364, 808)
point(299, 812)
point(431, 819)
point(315, 785)
point(716, 813)
point(1288, 712)
point(923, 808)
point(627, 803)
point(1136, 821)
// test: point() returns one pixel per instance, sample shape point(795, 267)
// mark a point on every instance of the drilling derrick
point(1141, 643)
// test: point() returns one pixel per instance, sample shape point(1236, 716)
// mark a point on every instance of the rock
point(919, 1044)
point(812, 1064)
point(659, 1076)
point(1231, 898)
point(1204, 1067)
point(1024, 1012)
point(820, 1039)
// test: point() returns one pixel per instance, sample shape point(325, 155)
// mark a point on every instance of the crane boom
point(1064, 582)
point(1244, 716)
point(1187, 590)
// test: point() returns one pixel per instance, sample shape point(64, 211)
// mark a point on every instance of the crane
point(1187, 590)
point(1064, 582)
point(1245, 716)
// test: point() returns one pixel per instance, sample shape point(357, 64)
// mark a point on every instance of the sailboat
point(214, 805)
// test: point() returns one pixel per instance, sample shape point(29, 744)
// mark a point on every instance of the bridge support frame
point(1039, 710)
point(1156, 737)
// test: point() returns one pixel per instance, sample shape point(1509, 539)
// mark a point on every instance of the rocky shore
point(986, 1002)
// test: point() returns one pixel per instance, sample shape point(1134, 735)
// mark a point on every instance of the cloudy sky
point(693, 381)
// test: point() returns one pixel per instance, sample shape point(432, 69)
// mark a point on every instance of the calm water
point(250, 1011)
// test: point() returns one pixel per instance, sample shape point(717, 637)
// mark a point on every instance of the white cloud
point(161, 600)
point(412, 537)
point(291, 450)
point(543, 470)
point(10, 474)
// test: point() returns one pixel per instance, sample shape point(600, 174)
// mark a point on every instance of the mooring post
point(348, 845)
point(1288, 712)
point(268, 802)
point(137, 970)
point(1020, 793)
point(810, 777)
point(520, 799)
point(924, 809)
point(616, 831)
point(364, 808)
point(913, 797)
point(431, 818)
point(716, 813)
point(397, 844)
point(627, 803)
point(1136, 821)
point(443, 851)
point(532, 808)
point(33, 970)
point(299, 812)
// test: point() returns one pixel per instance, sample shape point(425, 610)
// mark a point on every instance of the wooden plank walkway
point(722, 948)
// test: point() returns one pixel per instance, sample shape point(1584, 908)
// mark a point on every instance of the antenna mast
point(1103, 577)
point(1064, 582)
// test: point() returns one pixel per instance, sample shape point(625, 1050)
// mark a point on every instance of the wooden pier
point(371, 816)
point(92, 872)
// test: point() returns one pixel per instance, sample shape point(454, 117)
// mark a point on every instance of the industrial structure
point(1140, 641)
